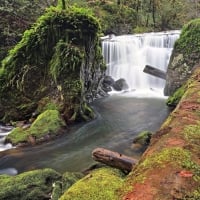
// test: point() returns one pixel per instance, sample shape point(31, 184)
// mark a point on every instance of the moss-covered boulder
point(68, 179)
point(47, 125)
point(141, 142)
point(58, 59)
point(34, 185)
point(101, 184)
point(185, 57)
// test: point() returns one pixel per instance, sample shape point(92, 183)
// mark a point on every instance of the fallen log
point(155, 72)
point(114, 159)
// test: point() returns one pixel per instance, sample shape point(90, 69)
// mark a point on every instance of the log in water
point(155, 72)
point(114, 159)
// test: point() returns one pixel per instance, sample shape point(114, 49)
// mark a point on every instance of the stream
point(120, 117)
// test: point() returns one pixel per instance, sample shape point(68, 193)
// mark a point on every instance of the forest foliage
point(116, 16)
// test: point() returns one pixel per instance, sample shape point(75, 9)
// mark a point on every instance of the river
point(119, 120)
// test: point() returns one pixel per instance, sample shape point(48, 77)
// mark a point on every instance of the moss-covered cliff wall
point(184, 58)
point(58, 63)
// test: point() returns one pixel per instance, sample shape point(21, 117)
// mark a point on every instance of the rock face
point(184, 58)
point(56, 65)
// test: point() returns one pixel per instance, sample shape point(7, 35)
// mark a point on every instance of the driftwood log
point(114, 159)
point(155, 72)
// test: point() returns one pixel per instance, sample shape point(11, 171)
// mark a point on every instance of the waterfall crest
point(127, 55)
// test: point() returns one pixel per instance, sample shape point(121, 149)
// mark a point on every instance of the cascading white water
point(127, 55)
point(4, 131)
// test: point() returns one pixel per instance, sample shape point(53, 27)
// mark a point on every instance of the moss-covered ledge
point(170, 167)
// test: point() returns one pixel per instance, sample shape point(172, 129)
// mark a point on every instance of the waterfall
point(127, 55)
point(4, 131)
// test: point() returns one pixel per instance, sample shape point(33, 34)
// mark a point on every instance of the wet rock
point(120, 84)
point(141, 142)
point(107, 83)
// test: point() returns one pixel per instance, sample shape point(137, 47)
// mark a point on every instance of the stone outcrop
point(57, 65)
point(185, 57)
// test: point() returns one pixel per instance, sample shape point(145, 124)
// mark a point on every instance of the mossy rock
point(174, 99)
point(143, 138)
point(34, 185)
point(101, 184)
point(189, 41)
point(185, 57)
point(141, 142)
point(68, 179)
point(48, 124)
point(55, 60)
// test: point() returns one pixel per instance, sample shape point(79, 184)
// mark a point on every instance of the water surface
point(119, 119)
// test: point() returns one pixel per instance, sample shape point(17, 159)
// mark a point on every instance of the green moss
point(101, 184)
point(34, 185)
point(167, 121)
point(143, 138)
point(195, 195)
point(17, 135)
point(47, 123)
point(174, 99)
point(67, 41)
point(165, 156)
point(68, 179)
point(195, 168)
point(66, 60)
point(192, 134)
point(47, 103)
point(189, 41)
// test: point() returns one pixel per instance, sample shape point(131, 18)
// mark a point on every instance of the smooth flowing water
point(119, 119)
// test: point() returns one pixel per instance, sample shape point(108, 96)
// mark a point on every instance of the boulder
point(185, 57)
point(107, 83)
point(56, 65)
point(37, 185)
point(47, 125)
point(61, 186)
point(100, 184)
point(141, 142)
point(120, 84)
